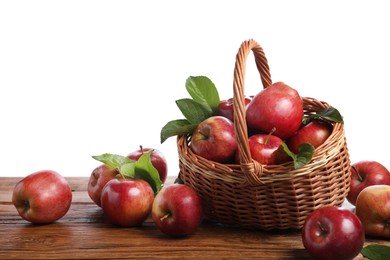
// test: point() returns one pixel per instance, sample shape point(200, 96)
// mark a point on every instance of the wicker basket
point(251, 195)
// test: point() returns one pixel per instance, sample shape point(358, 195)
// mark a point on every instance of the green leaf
point(145, 170)
point(128, 169)
point(193, 111)
point(376, 252)
point(113, 160)
point(331, 114)
point(176, 127)
point(203, 91)
point(304, 156)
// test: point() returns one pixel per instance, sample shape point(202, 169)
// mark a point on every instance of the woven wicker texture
point(251, 195)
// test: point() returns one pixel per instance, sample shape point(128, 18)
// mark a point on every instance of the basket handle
point(251, 168)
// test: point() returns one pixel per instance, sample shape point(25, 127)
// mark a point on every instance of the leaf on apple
point(192, 110)
point(205, 101)
point(140, 169)
point(203, 91)
point(330, 114)
point(112, 160)
point(376, 252)
point(304, 156)
point(176, 127)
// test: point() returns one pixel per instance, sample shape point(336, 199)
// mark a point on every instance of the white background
point(82, 78)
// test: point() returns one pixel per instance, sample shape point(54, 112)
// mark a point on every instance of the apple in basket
point(98, 179)
point(42, 197)
point(315, 133)
point(226, 108)
point(364, 174)
point(214, 139)
point(266, 149)
point(333, 233)
point(373, 209)
point(278, 106)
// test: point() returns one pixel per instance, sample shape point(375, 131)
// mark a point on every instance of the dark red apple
point(42, 197)
point(127, 203)
point(373, 210)
point(226, 108)
point(364, 174)
point(156, 157)
point(215, 139)
point(177, 210)
point(266, 149)
point(277, 106)
point(98, 179)
point(315, 133)
point(333, 233)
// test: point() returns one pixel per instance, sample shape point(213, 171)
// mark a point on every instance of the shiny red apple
point(215, 139)
point(98, 179)
point(373, 210)
point(156, 157)
point(127, 203)
point(366, 173)
point(177, 210)
point(278, 106)
point(266, 149)
point(315, 133)
point(333, 233)
point(42, 197)
point(226, 108)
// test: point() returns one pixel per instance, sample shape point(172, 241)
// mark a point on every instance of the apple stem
point(142, 149)
point(323, 230)
point(269, 135)
point(165, 216)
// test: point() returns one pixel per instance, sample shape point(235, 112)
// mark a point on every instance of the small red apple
point(266, 149)
point(278, 106)
point(215, 139)
point(98, 179)
point(315, 133)
point(177, 210)
point(333, 233)
point(42, 197)
point(226, 108)
point(373, 210)
point(156, 157)
point(364, 174)
point(127, 203)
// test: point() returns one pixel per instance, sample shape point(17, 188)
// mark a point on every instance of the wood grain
point(84, 233)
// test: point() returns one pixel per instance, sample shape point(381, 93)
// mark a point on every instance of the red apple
point(98, 179)
point(215, 139)
point(333, 233)
point(226, 108)
point(42, 197)
point(266, 149)
point(373, 209)
point(177, 210)
point(315, 133)
point(156, 157)
point(277, 106)
point(364, 174)
point(127, 203)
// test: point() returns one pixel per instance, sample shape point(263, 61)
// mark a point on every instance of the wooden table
point(84, 233)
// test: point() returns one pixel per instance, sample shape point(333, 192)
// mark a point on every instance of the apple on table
point(366, 173)
point(333, 233)
point(42, 197)
point(98, 179)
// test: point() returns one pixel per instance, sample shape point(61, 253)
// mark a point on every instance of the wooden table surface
point(84, 233)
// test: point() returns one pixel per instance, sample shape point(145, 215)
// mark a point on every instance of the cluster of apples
point(339, 233)
point(45, 196)
point(176, 209)
point(274, 117)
